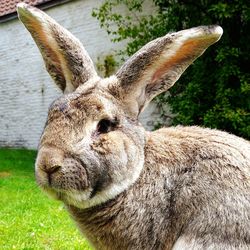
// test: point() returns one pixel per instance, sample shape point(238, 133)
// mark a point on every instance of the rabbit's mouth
point(71, 197)
point(79, 199)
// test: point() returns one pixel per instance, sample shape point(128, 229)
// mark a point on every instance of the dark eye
point(106, 125)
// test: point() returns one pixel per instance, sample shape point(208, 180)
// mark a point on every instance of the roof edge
point(42, 6)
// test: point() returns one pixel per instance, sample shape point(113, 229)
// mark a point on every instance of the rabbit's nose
point(50, 169)
point(49, 160)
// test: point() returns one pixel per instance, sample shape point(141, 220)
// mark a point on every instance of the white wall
point(26, 90)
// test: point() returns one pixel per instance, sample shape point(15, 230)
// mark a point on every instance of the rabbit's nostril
point(51, 169)
point(54, 169)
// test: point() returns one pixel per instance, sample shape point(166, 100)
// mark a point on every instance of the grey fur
point(126, 188)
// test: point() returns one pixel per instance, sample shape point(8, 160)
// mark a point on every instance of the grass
point(28, 218)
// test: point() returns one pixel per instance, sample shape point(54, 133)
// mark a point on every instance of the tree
point(215, 91)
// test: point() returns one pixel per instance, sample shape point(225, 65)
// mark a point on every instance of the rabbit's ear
point(160, 63)
point(66, 60)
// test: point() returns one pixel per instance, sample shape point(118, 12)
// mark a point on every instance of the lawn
point(28, 218)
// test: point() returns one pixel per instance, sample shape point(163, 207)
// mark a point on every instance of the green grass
point(28, 218)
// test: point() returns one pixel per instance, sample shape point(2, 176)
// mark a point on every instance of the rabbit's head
point(92, 146)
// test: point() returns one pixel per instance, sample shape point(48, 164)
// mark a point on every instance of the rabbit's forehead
point(90, 104)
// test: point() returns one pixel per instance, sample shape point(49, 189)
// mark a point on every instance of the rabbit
point(125, 187)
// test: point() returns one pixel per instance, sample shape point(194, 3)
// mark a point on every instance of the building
point(26, 89)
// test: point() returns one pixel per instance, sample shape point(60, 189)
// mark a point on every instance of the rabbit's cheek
point(102, 145)
point(118, 150)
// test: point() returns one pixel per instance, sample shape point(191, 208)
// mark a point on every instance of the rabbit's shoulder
point(192, 145)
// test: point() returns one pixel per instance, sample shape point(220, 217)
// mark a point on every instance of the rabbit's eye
point(105, 126)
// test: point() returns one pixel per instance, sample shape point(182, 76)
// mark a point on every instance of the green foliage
point(106, 65)
point(28, 218)
point(215, 91)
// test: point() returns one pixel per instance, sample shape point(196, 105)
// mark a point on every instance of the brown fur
point(183, 190)
point(175, 188)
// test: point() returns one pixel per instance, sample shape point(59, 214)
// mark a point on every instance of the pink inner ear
point(186, 52)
